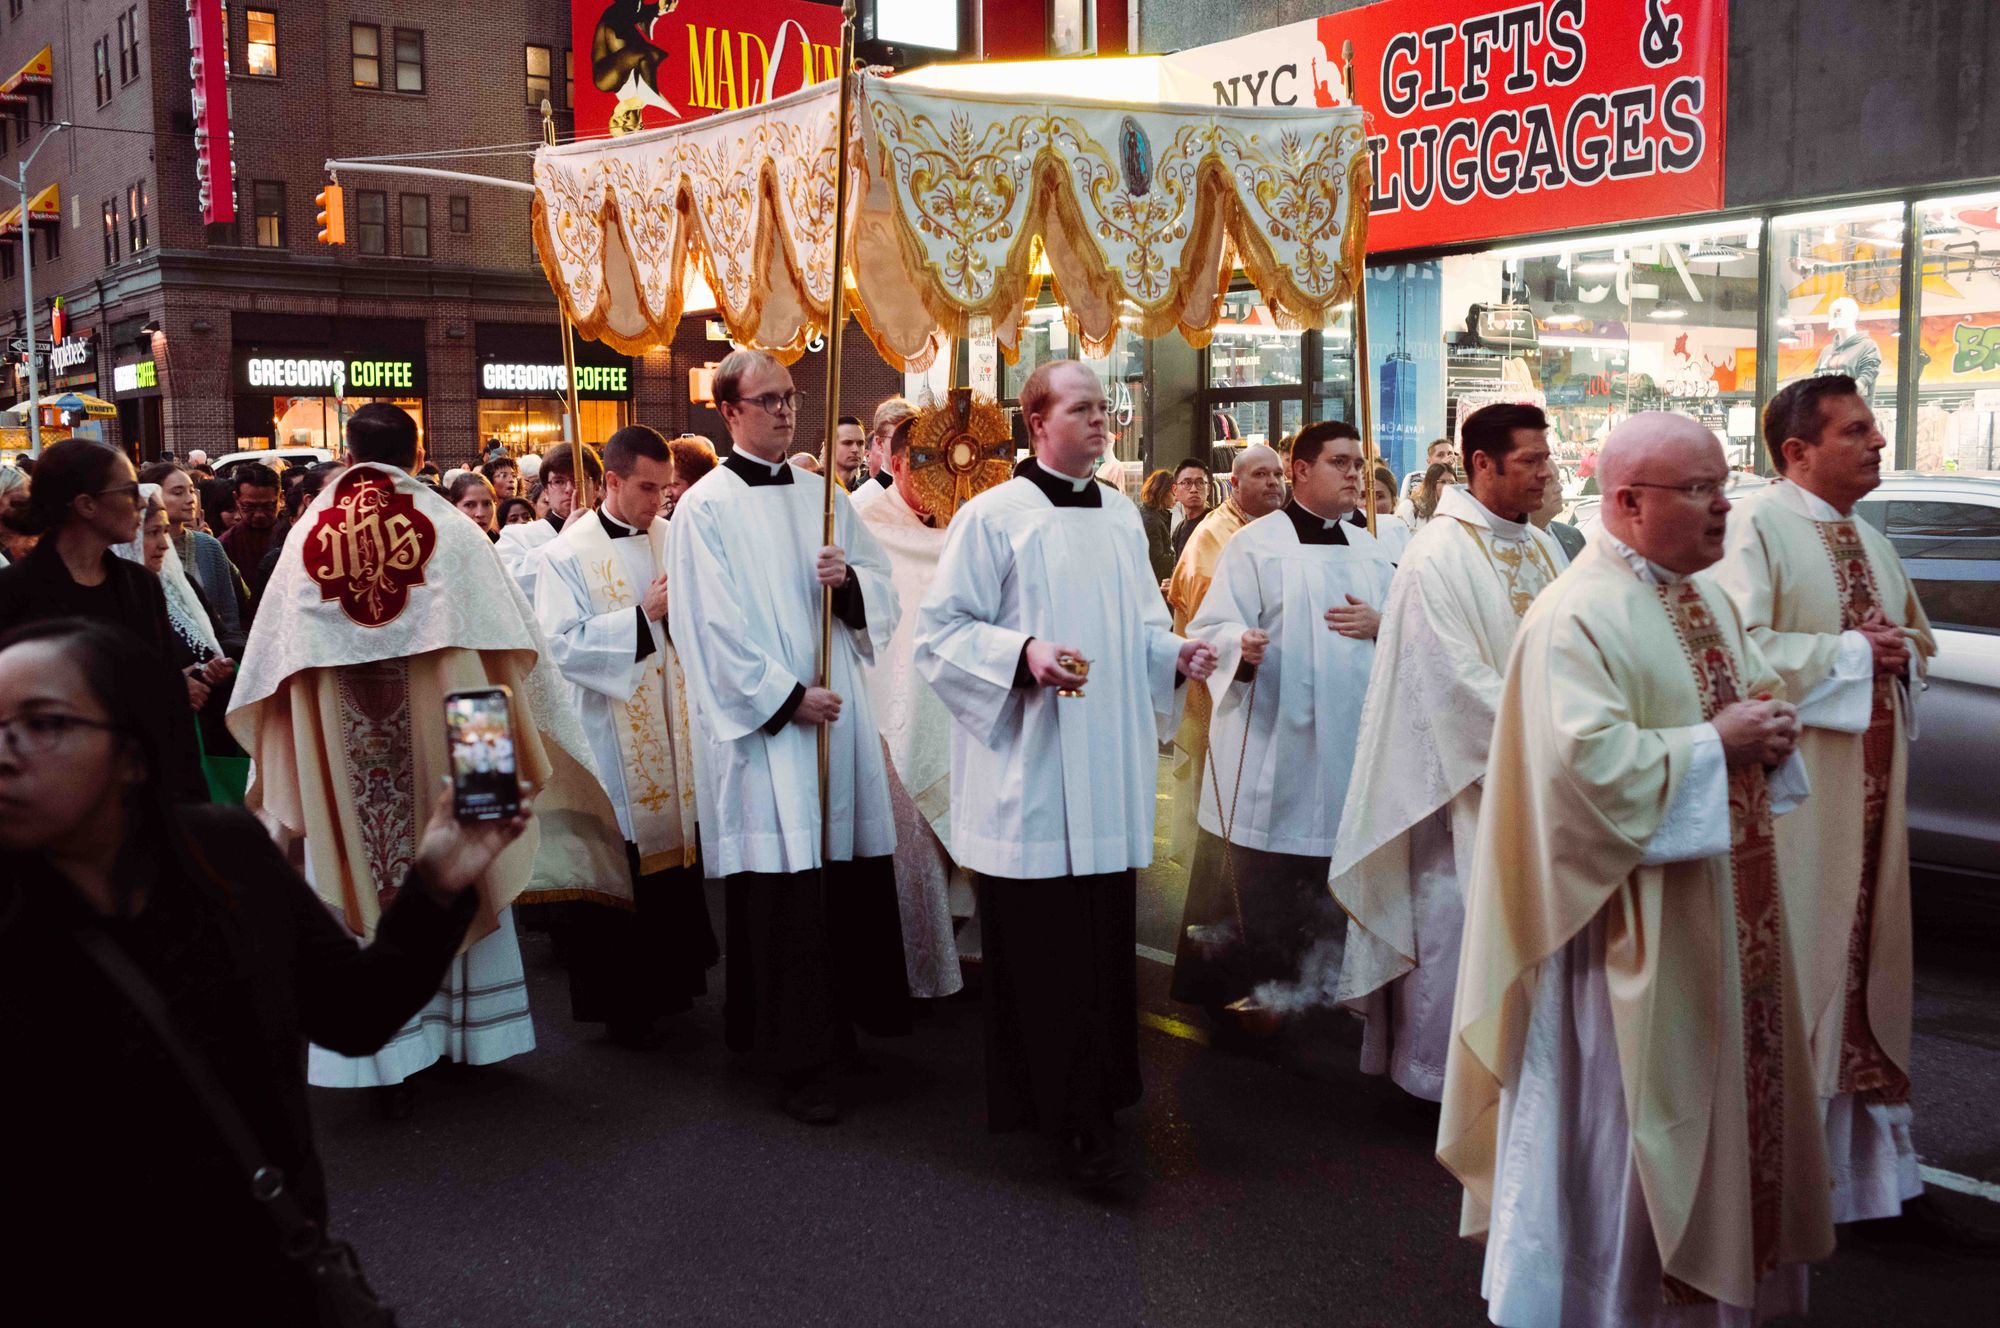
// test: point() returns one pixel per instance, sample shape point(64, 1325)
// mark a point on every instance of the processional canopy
point(970, 186)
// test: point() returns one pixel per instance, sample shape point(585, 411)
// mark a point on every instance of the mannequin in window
point(1852, 351)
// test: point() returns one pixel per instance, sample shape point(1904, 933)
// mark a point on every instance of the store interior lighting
point(1564, 314)
point(1667, 310)
point(1600, 267)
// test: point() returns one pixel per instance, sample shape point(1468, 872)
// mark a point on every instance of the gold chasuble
point(384, 599)
point(1607, 693)
point(651, 726)
point(1802, 575)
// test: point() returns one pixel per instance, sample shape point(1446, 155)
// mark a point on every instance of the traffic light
point(332, 215)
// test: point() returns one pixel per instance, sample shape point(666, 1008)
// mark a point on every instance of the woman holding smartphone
point(128, 1173)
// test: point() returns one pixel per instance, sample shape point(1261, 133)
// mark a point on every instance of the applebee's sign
point(214, 140)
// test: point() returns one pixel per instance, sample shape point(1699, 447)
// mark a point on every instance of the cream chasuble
point(1803, 578)
point(1042, 785)
point(1185, 590)
point(745, 612)
point(634, 710)
point(1611, 821)
point(384, 599)
point(916, 730)
point(1305, 714)
point(1405, 840)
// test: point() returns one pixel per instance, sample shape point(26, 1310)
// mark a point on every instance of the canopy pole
point(572, 424)
point(1363, 398)
point(836, 318)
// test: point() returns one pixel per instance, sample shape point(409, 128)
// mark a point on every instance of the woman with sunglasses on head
point(85, 501)
point(100, 872)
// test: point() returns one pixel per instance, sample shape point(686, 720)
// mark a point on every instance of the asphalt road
point(586, 1184)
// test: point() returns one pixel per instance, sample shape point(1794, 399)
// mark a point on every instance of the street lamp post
point(20, 183)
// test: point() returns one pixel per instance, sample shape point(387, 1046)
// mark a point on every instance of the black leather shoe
point(395, 1101)
point(1924, 1223)
point(812, 1102)
point(1090, 1164)
point(638, 1034)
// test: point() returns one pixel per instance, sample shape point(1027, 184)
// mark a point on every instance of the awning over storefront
point(1142, 208)
point(45, 207)
point(39, 72)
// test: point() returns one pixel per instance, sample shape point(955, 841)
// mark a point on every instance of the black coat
point(121, 1200)
point(39, 588)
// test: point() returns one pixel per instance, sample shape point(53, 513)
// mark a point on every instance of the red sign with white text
point(1488, 119)
point(647, 64)
point(214, 141)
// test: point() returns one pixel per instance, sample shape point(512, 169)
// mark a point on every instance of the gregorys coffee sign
point(306, 374)
point(599, 382)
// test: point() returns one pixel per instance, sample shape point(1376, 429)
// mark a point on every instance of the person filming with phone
point(115, 902)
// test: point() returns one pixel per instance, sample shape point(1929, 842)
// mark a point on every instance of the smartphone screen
point(479, 726)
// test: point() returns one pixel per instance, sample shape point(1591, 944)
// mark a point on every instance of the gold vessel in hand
point(1078, 665)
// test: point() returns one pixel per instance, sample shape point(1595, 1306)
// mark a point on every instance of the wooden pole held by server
point(1363, 398)
point(836, 318)
point(572, 425)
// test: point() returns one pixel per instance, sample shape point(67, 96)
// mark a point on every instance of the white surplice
point(520, 549)
point(1044, 785)
point(1307, 694)
point(916, 729)
point(745, 612)
point(599, 656)
point(1405, 839)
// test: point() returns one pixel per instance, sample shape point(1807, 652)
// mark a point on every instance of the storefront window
point(1958, 361)
point(322, 421)
point(1593, 330)
point(1123, 371)
point(534, 424)
point(1837, 298)
point(1265, 382)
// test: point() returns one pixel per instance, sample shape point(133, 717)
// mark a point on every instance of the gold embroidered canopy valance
point(970, 186)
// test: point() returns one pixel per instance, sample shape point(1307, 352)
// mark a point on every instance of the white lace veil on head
point(182, 603)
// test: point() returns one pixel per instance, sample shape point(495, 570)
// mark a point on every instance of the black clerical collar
point(1061, 490)
point(556, 521)
point(885, 479)
point(756, 472)
point(615, 528)
point(1312, 527)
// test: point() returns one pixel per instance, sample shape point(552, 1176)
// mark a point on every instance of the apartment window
point(14, 8)
point(365, 40)
point(538, 74)
point(100, 59)
point(569, 80)
point(461, 214)
point(51, 242)
point(110, 231)
point(136, 219)
point(260, 50)
point(267, 205)
point(6, 262)
point(416, 209)
point(371, 221)
point(409, 60)
point(128, 45)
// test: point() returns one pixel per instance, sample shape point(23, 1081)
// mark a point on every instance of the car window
point(1952, 552)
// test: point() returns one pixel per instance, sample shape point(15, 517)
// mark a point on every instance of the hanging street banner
point(650, 64)
point(1487, 120)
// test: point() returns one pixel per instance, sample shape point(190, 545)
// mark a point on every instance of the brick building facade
point(191, 327)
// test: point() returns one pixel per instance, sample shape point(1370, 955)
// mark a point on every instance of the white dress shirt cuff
point(1697, 821)
point(1845, 698)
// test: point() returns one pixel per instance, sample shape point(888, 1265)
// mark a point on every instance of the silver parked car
point(1947, 530)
